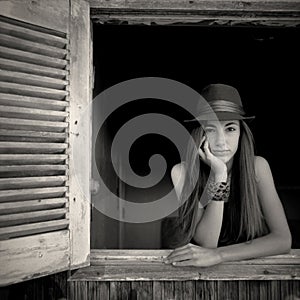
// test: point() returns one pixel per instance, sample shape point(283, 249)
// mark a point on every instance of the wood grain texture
point(28, 257)
point(209, 12)
point(44, 13)
point(80, 129)
point(213, 290)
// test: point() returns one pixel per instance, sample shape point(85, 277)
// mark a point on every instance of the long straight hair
point(244, 214)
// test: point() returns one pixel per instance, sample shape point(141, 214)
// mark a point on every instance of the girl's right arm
point(209, 220)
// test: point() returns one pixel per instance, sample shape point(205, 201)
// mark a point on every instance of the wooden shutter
point(39, 99)
point(33, 130)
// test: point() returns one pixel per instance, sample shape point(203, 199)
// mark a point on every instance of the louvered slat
point(32, 124)
point(8, 64)
point(33, 102)
point(28, 229)
point(33, 130)
point(33, 35)
point(29, 57)
point(36, 159)
point(32, 205)
point(30, 182)
point(32, 113)
point(31, 79)
point(25, 45)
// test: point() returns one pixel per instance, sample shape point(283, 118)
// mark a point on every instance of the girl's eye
point(231, 129)
point(209, 130)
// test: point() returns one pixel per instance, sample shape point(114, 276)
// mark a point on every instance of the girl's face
point(223, 138)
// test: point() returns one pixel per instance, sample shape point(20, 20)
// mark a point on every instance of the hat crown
point(218, 91)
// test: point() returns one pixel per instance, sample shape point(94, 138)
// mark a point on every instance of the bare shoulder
point(178, 172)
point(262, 167)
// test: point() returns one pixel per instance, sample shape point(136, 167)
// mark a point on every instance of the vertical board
point(80, 133)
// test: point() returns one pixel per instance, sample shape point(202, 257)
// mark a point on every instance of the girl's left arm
point(277, 241)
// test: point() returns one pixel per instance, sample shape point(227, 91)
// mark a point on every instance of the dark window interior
point(262, 63)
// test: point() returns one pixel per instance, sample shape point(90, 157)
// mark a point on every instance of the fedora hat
point(223, 103)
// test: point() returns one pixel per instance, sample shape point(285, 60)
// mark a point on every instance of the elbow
point(207, 243)
point(284, 242)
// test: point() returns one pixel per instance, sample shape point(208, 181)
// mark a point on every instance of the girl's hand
point(217, 165)
point(193, 255)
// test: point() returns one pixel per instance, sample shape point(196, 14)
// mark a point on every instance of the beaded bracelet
point(218, 191)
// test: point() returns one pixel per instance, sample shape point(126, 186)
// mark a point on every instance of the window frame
point(272, 13)
point(39, 255)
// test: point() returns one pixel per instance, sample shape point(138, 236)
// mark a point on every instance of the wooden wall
point(186, 290)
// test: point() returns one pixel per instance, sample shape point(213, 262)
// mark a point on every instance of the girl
point(239, 215)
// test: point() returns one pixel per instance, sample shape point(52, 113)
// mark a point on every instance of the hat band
point(223, 106)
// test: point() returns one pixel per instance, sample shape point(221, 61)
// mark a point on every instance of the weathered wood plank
point(36, 193)
point(35, 91)
point(28, 159)
point(30, 229)
point(32, 205)
point(34, 58)
point(30, 79)
point(31, 136)
point(18, 30)
point(9, 123)
point(43, 13)
point(142, 290)
point(32, 217)
point(24, 258)
point(80, 123)
point(32, 170)
point(25, 101)
point(100, 256)
point(29, 147)
point(159, 271)
point(32, 113)
point(224, 5)
point(29, 182)
point(29, 46)
point(270, 13)
point(8, 64)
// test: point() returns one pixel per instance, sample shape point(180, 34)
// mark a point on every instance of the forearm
point(271, 244)
point(209, 227)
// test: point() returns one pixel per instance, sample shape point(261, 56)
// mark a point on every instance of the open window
point(45, 83)
point(258, 60)
point(44, 218)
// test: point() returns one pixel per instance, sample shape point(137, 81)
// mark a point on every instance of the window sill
point(147, 265)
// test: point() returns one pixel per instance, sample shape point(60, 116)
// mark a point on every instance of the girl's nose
point(220, 139)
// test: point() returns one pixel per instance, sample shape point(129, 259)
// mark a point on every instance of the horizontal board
point(29, 57)
point(30, 182)
point(31, 79)
point(33, 102)
point(27, 159)
point(29, 147)
point(32, 47)
point(32, 205)
point(17, 66)
point(37, 193)
point(32, 168)
point(32, 35)
point(209, 5)
point(32, 124)
point(30, 229)
point(99, 256)
point(32, 113)
point(37, 134)
point(28, 257)
point(32, 217)
point(160, 271)
point(35, 91)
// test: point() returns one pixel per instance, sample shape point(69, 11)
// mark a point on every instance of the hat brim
point(221, 116)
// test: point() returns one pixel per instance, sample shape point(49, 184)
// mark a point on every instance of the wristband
point(218, 191)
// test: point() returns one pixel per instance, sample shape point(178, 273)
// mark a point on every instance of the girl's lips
point(220, 152)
